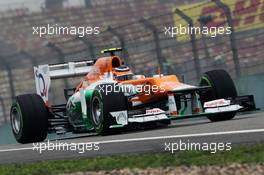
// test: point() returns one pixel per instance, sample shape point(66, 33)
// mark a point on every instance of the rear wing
point(45, 73)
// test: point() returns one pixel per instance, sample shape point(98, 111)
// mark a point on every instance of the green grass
point(243, 154)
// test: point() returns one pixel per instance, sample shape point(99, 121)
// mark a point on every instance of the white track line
point(155, 138)
point(16, 149)
point(186, 135)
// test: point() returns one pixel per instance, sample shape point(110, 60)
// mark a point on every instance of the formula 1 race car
point(110, 97)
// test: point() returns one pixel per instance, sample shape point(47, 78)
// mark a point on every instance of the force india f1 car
point(110, 97)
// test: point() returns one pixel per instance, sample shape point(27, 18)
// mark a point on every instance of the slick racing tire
point(29, 118)
point(102, 104)
point(222, 87)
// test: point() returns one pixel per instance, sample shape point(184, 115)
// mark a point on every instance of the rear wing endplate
point(45, 73)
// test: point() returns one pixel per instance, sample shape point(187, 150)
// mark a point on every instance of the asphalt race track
point(244, 129)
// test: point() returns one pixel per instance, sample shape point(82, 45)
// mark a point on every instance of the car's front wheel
point(102, 104)
point(222, 86)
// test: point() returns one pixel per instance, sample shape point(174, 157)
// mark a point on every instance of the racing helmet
point(123, 73)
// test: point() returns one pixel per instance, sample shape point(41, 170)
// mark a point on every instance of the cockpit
point(123, 73)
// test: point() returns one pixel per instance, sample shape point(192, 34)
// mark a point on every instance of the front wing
point(237, 104)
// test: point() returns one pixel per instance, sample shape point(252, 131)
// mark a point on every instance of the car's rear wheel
point(29, 118)
point(101, 105)
point(222, 87)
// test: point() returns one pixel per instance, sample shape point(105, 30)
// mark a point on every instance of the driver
point(122, 73)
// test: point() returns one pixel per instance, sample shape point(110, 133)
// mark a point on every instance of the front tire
point(101, 105)
point(29, 118)
point(222, 87)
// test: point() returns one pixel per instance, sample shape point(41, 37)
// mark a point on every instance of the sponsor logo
point(154, 111)
point(216, 103)
point(246, 15)
point(41, 84)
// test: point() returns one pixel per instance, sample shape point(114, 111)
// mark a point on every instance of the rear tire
point(222, 87)
point(101, 106)
point(29, 119)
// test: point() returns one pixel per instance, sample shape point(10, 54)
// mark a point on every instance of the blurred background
point(138, 26)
